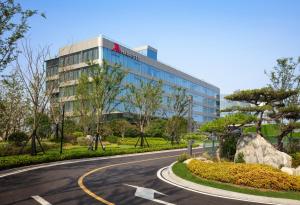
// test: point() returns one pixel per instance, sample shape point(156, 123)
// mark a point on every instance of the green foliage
point(17, 138)
point(176, 127)
point(112, 139)
point(144, 100)
point(119, 127)
point(183, 157)
point(14, 25)
point(240, 158)
point(179, 101)
point(221, 125)
point(156, 128)
point(296, 159)
point(229, 147)
point(266, 95)
point(82, 141)
point(77, 153)
point(78, 134)
point(44, 125)
point(70, 126)
point(194, 136)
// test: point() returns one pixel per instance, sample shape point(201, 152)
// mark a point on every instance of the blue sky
point(227, 43)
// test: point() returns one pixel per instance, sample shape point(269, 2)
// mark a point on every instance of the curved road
point(103, 180)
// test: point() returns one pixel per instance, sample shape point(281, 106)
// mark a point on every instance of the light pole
point(62, 127)
point(190, 113)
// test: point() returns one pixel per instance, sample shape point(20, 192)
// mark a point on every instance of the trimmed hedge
point(250, 175)
point(51, 156)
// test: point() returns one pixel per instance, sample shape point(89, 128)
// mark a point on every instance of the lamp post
point(190, 113)
point(62, 127)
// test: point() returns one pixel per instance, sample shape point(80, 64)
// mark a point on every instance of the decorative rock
point(288, 170)
point(201, 158)
point(258, 150)
point(187, 161)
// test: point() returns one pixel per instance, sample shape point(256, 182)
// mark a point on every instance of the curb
point(23, 169)
point(167, 175)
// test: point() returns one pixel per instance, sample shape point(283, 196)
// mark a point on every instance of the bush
point(82, 141)
point(17, 138)
point(70, 139)
point(194, 136)
point(183, 157)
point(251, 175)
point(156, 128)
point(78, 134)
point(240, 158)
point(112, 139)
point(229, 147)
point(296, 159)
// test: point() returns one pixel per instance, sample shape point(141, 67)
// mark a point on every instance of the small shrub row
point(24, 160)
point(251, 175)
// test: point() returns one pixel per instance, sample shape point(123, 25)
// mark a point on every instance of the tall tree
point(14, 104)
point(13, 27)
point(106, 85)
point(178, 107)
point(83, 103)
point(144, 101)
point(31, 68)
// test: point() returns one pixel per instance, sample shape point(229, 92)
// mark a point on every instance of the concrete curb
point(167, 175)
point(8, 172)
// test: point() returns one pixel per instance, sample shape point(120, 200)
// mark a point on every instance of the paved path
point(107, 181)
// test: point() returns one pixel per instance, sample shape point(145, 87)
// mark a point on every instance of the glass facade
point(205, 97)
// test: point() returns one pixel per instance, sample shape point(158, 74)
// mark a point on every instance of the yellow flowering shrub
point(251, 175)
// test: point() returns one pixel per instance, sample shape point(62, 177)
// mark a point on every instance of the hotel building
point(63, 73)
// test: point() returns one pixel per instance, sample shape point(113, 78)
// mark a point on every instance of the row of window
point(51, 71)
point(134, 79)
point(51, 84)
point(79, 57)
point(140, 67)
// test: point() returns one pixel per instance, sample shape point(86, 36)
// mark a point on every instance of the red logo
point(116, 48)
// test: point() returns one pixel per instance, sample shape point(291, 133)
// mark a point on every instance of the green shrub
point(70, 139)
point(194, 136)
point(82, 141)
point(251, 175)
point(112, 139)
point(240, 158)
point(296, 159)
point(78, 134)
point(229, 147)
point(183, 157)
point(17, 138)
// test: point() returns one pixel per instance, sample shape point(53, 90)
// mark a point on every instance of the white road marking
point(147, 193)
point(40, 200)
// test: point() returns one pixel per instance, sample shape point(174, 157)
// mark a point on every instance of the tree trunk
point(280, 143)
point(33, 143)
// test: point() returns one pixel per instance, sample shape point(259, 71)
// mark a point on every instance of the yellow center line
point(95, 196)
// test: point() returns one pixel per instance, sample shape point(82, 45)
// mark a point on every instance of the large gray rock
point(258, 150)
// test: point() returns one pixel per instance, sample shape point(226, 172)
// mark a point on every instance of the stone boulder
point(258, 150)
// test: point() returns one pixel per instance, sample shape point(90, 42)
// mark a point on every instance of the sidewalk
point(166, 174)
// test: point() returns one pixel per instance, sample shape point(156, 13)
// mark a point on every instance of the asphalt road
point(59, 184)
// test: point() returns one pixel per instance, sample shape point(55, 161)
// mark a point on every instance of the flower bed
point(251, 175)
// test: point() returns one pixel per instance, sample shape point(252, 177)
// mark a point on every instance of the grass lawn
point(76, 152)
point(182, 171)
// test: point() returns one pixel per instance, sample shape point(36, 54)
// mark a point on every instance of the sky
point(227, 43)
